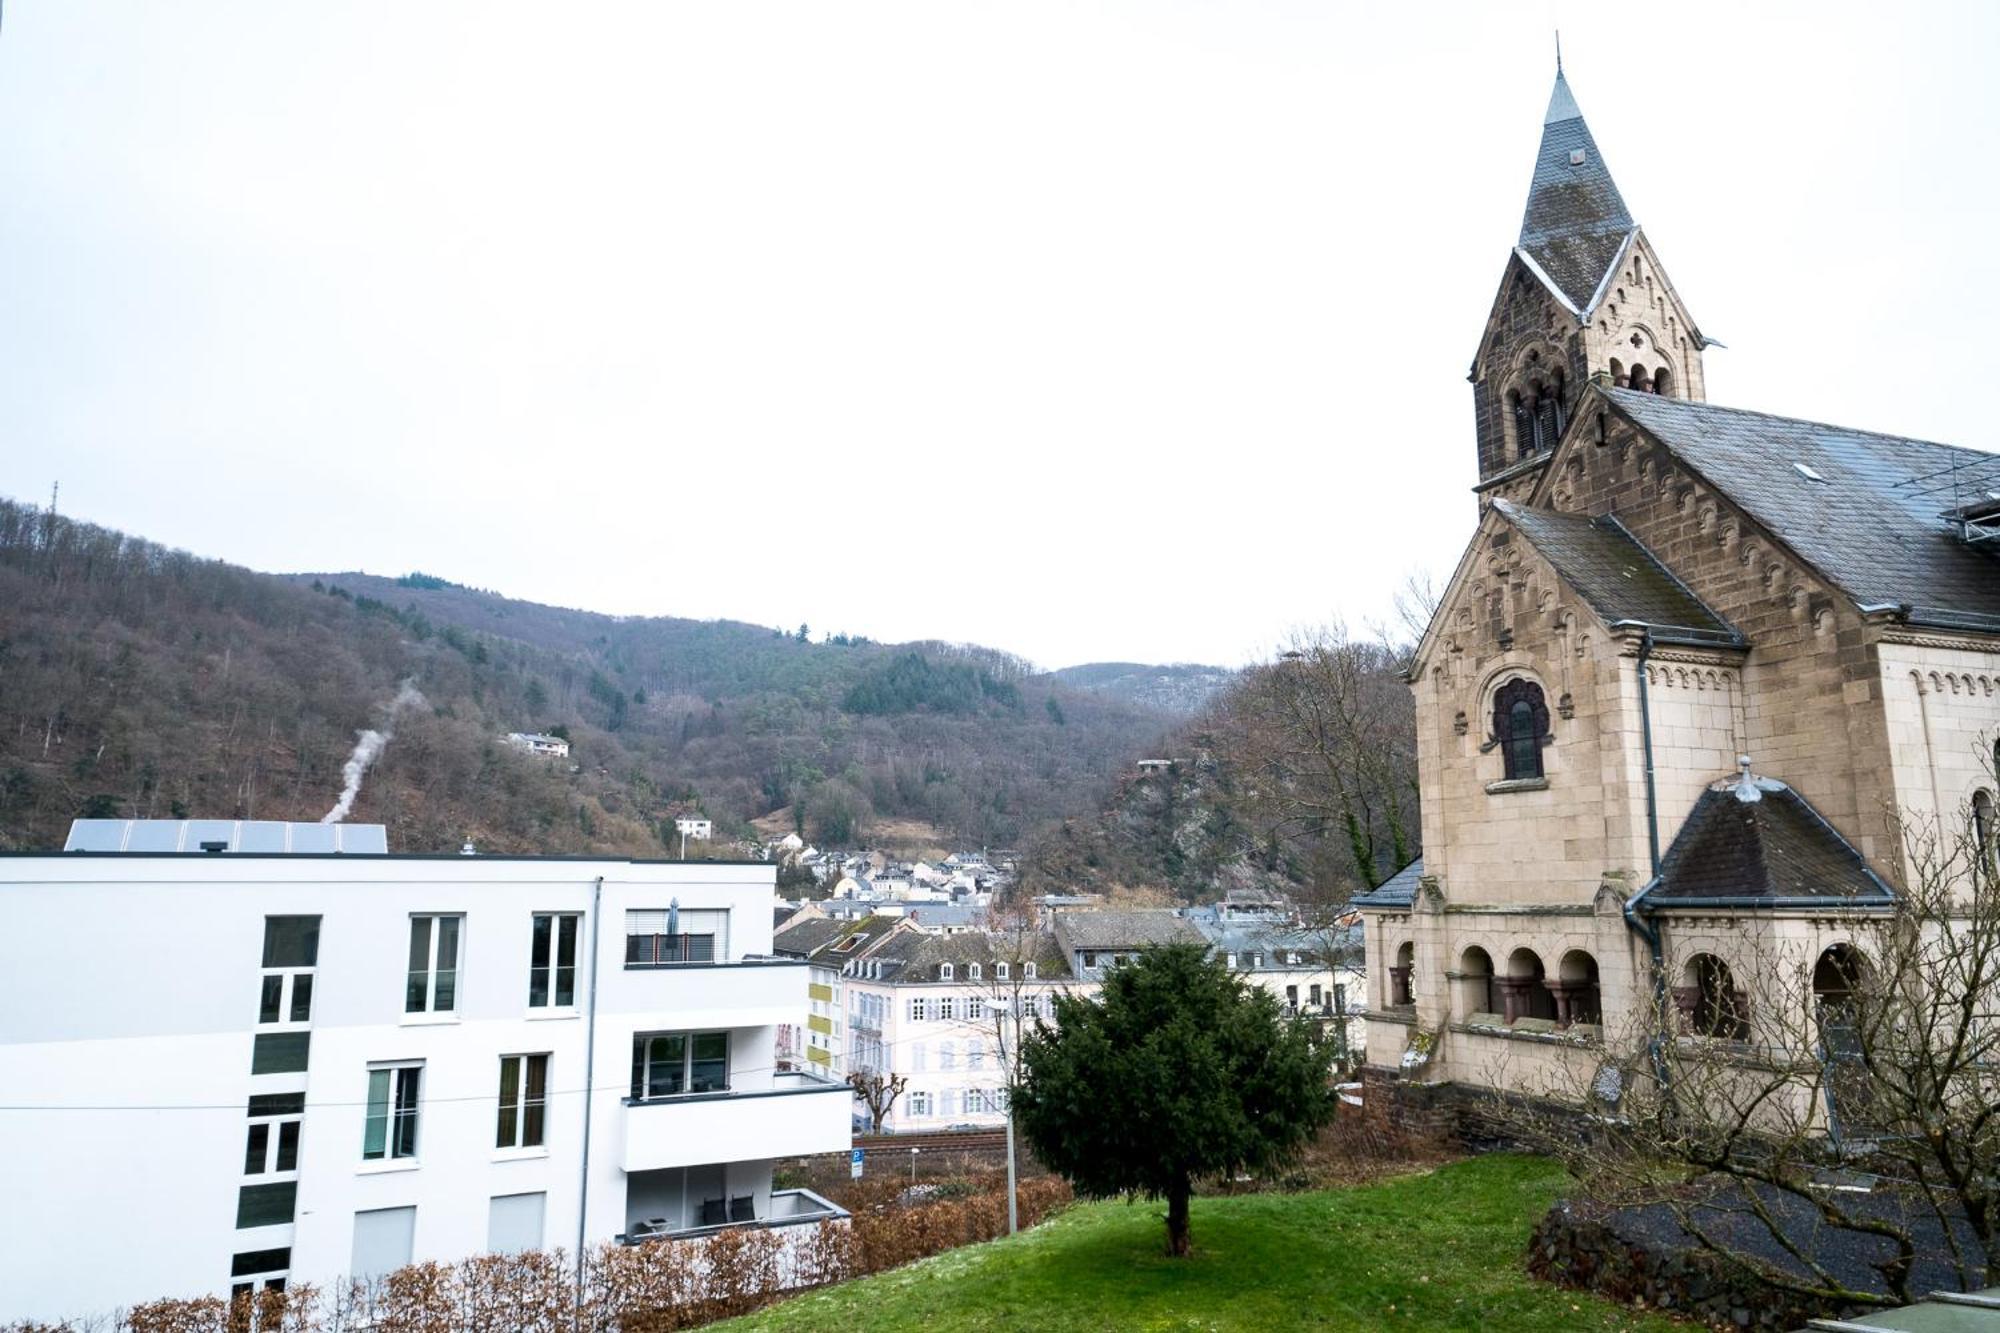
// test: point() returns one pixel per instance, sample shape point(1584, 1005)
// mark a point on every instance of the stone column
point(1561, 991)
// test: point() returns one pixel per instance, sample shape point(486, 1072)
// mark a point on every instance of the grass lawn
point(1439, 1250)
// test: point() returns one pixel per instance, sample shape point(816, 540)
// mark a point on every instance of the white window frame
point(553, 965)
point(266, 1168)
point(944, 972)
point(522, 1102)
point(1027, 971)
point(920, 1106)
point(972, 972)
point(431, 972)
point(393, 1113)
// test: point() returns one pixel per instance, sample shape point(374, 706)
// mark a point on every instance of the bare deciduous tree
point(878, 1091)
point(1329, 739)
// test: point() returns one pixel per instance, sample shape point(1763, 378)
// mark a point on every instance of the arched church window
point(1640, 380)
point(1617, 372)
point(1520, 720)
point(1524, 423)
point(1548, 419)
point(1709, 1002)
point(1663, 383)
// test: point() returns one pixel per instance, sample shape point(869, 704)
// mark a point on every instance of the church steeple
point(1583, 298)
point(1576, 220)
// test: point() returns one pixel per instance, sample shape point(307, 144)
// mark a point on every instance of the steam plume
point(368, 747)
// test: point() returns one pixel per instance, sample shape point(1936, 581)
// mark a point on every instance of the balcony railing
point(790, 1115)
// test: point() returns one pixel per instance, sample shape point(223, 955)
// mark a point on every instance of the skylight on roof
point(1810, 475)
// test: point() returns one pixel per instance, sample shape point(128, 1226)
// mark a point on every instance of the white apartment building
point(534, 742)
point(224, 1071)
point(943, 1011)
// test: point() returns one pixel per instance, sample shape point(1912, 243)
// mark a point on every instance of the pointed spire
point(1562, 103)
point(1576, 221)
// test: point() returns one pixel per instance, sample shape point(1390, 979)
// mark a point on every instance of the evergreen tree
point(1176, 1071)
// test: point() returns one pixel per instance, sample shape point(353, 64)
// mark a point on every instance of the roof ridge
point(1690, 404)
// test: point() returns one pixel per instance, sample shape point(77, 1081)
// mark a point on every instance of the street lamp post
point(1002, 1009)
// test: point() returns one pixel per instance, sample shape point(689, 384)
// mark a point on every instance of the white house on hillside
point(534, 742)
point(309, 1066)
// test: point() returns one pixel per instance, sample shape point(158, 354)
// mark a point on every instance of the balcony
point(747, 993)
point(791, 1115)
point(787, 1208)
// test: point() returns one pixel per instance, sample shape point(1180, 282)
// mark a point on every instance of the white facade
point(946, 1041)
point(555, 747)
point(699, 829)
point(132, 1027)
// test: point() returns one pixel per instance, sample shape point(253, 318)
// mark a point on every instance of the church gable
point(1639, 334)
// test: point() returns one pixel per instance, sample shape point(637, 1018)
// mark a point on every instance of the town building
point(534, 742)
point(698, 829)
point(944, 1011)
point(1693, 663)
point(1092, 943)
point(268, 1066)
point(1312, 973)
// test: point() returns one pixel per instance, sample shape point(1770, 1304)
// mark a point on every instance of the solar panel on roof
point(260, 835)
point(363, 839)
point(154, 835)
point(95, 835)
point(313, 837)
point(265, 836)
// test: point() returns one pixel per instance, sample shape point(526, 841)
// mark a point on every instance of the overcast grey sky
point(1083, 330)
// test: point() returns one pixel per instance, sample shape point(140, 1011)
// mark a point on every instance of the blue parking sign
point(854, 1164)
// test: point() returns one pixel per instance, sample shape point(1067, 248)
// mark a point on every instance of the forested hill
point(140, 681)
point(1300, 776)
point(1182, 689)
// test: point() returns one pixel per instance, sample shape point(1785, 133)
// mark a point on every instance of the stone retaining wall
point(1572, 1249)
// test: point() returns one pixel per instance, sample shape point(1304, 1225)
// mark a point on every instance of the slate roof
point(1755, 838)
point(1576, 221)
point(800, 939)
point(1872, 526)
point(1618, 577)
point(1399, 890)
point(914, 955)
point(1124, 930)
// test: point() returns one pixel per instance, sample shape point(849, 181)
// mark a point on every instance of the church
point(1693, 662)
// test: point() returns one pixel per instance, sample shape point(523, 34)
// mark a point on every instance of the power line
point(238, 1106)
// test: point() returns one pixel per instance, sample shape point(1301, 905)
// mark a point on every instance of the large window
point(659, 938)
point(434, 948)
point(552, 961)
point(524, 1095)
point(271, 1143)
point(291, 951)
point(920, 1105)
point(1520, 721)
point(671, 1064)
point(390, 1130)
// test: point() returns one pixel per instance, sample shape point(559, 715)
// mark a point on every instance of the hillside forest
point(141, 681)
point(138, 681)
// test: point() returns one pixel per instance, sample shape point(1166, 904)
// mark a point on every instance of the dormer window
point(972, 972)
point(1520, 721)
point(1001, 971)
point(1028, 971)
point(944, 972)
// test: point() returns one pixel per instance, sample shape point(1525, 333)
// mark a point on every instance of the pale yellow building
point(1657, 586)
